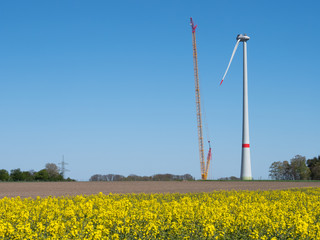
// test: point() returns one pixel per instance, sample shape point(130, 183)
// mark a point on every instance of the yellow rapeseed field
point(286, 214)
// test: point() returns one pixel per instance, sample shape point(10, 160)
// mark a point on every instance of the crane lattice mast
point(204, 167)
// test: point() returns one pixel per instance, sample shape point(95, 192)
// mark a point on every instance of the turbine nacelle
point(243, 37)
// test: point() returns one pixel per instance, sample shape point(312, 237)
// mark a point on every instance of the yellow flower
point(289, 214)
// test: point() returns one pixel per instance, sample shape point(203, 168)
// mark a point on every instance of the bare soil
point(44, 189)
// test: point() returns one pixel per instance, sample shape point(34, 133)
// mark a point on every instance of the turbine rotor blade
point(234, 51)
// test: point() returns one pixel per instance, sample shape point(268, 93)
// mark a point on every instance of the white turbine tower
point(245, 161)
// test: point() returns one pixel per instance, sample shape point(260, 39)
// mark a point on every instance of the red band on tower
point(246, 145)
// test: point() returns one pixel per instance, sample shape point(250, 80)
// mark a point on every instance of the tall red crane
point(204, 166)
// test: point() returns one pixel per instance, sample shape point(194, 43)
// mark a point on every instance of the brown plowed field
point(43, 189)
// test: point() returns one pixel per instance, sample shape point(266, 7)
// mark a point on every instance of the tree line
point(232, 178)
point(297, 169)
point(51, 172)
point(133, 177)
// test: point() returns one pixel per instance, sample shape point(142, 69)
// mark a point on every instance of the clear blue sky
point(110, 84)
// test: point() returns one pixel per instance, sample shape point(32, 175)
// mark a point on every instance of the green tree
point(53, 172)
point(27, 176)
point(276, 171)
point(314, 166)
point(299, 168)
point(16, 175)
point(280, 171)
point(4, 175)
point(42, 175)
point(287, 171)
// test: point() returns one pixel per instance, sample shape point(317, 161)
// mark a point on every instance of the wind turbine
point(245, 160)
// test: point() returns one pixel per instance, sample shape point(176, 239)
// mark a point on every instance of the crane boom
point(208, 161)
point(204, 167)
